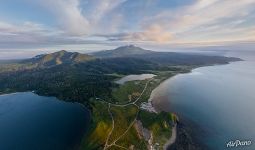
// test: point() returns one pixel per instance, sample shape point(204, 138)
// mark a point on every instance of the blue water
point(134, 77)
point(32, 122)
point(218, 99)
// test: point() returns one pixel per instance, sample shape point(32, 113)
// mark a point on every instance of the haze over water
point(218, 99)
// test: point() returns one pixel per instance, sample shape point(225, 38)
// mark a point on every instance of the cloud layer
point(79, 22)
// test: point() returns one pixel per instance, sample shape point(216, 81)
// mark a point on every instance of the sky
point(29, 27)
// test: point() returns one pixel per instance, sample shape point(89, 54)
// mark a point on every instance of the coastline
point(151, 100)
point(5, 94)
point(175, 141)
point(181, 137)
point(172, 139)
point(73, 119)
point(184, 137)
point(174, 129)
point(178, 130)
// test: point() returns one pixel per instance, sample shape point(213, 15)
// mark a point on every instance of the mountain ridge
point(122, 51)
point(124, 55)
point(58, 58)
point(167, 58)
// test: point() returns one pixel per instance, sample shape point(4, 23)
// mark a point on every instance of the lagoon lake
point(134, 77)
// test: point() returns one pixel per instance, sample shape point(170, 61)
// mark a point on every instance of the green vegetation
point(132, 140)
point(127, 92)
point(125, 115)
point(12, 67)
point(158, 124)
point(118, 120)
point(100, 127)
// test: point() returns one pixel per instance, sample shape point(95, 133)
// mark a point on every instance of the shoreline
point(172, 138)
point(174, 135)
point(175, 132)
point(183, 129)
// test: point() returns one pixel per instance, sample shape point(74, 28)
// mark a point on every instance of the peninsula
point(122, 116)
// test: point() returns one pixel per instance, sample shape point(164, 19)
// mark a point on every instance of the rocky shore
point(172, 140)
point(181, 138)
point(184, 140)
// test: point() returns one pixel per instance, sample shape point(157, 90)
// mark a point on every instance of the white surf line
point(173, 137)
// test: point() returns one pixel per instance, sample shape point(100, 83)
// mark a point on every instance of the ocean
point(219, 100)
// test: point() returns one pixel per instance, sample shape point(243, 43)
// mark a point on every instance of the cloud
point(79, 18)
point(153, 33)
point(103, 14)
point(188, 23)
point(79, 22)
point(101, 8)
point(69, 16)
point(33, 35)
point(20, 33)
point(200, 21)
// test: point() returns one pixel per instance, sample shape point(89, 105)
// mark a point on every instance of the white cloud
point(102, 8)
point(69, 16)
point(76, 21)
point(20, 33)
point(191, 21)
point(29, 34)
point(102, 15)
point(153, 33)
point(84, 21)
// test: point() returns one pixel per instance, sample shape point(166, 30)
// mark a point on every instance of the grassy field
point(115, 109)
point(123, 117)
point(125, 113)
point(127, 92)
point(158, 124)
point(100, 128)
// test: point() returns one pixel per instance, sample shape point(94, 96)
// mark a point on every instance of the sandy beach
point(173, 137)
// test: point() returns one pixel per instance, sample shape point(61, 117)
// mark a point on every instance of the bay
point(218, 99)
point(32, 122)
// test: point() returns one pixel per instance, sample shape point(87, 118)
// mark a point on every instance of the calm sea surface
point(218, 99)
point(32, 122)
